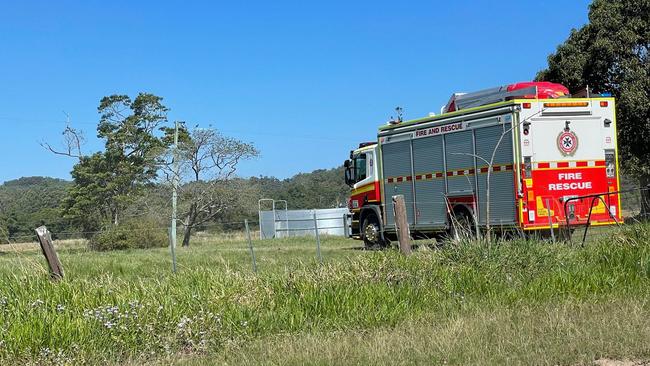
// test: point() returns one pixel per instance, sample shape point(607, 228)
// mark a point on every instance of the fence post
point(550, 221)
point(401, 224)
point(320, 257)
point(172, 248)
point(45, 239)
point(345, 226)
point(250, 245)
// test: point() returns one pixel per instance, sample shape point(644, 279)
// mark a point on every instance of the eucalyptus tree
point(209, 187)
point(105, 182)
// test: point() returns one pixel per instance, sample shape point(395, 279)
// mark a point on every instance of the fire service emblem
point(567, 142)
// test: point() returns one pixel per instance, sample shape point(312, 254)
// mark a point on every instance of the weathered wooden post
point(45, 239)
point(401, 224)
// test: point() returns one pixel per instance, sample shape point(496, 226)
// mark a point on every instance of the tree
point(610, 54)
point(104, 183)
point(208, 162)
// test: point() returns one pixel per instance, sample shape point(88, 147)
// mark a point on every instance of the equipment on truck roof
point(521, 90)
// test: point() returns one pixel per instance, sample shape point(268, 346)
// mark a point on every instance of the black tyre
point(462, 226)
point(371, 232)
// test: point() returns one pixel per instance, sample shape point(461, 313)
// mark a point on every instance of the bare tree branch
point(72, 139)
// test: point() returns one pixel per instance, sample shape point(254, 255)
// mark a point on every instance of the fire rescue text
point(438, 130)
point(575, 183)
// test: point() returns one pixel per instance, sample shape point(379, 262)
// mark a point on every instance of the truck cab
point(362, 175)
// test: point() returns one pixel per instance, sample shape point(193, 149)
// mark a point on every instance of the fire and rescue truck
point(528, 149)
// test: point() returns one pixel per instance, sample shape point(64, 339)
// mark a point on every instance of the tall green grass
point(127, 306)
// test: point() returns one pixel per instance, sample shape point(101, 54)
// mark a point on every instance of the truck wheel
point(370, 232)
point(462, 226)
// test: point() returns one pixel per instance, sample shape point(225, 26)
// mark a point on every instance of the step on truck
point(520, 156)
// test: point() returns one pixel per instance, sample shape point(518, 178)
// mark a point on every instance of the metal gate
point(282, 223)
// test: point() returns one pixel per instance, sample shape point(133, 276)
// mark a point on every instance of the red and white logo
point(567, 142)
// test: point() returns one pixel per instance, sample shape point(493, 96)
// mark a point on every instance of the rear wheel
point(371, 232)
point(462, 225)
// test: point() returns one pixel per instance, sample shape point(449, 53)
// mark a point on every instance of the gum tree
point(208, 162)
point(105, 182)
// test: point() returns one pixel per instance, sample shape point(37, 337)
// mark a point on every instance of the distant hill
point(322, 188)
point(29, 202)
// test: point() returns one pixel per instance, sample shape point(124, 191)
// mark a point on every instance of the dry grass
point(33, 246)
point(551, 334)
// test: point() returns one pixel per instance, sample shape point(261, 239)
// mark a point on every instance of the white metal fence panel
point(289, 223)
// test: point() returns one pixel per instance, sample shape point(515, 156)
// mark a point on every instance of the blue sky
point(304, 81)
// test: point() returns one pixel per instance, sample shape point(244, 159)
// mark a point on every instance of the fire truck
point(521, 156)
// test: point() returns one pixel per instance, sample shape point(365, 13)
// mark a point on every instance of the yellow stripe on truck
point(364, 189)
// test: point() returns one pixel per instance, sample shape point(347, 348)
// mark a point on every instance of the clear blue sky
point(305, 81)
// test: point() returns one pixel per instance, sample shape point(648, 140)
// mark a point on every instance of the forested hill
point(29, 202)
point(323, 188)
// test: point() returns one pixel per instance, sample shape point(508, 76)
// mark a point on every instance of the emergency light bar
point(566, 104)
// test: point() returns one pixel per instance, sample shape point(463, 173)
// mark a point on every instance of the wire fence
point(247, 232)
point(632, 203)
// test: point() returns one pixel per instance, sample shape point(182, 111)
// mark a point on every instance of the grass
point(515, 302)
point(547, 334)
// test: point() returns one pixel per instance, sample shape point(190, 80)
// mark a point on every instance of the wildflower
point(184, 321)
point(37, 303)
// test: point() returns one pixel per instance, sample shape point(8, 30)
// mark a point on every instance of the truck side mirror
point(348, 177)
point(346, 163)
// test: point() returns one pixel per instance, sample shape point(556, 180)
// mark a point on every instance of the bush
point(136, 234)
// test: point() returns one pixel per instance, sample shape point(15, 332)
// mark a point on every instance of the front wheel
point(371, 233)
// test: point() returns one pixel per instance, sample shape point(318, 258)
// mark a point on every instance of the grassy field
point(514, 302)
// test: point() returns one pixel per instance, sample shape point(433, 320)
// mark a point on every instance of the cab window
point(360, 167)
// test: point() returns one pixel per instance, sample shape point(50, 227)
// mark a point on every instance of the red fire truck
point(521, 155)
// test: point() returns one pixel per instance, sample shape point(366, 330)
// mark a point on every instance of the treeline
point(121, 195)
point(29, 202)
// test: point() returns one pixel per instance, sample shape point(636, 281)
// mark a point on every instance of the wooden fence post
point(45, 239)
point(401, 224)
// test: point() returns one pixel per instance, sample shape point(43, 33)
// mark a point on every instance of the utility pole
point(174, 197)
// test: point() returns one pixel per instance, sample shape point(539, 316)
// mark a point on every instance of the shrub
point(135, 234)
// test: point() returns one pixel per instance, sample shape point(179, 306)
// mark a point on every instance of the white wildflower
point(37, 303)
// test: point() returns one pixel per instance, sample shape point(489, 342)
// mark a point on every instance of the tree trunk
point(186, 236)
point(189, 224)
point(644, 196)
